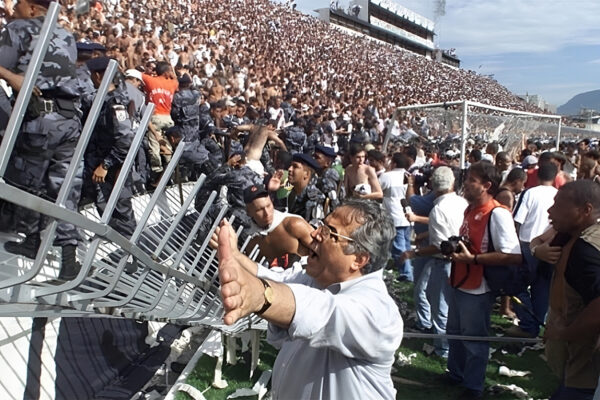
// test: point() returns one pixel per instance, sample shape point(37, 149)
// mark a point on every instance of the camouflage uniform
point(85, 88)
point(309, 204)
point(327, 182)
point(311, 141)
point(295, 139)
point(192, 159)
point(47, 138)
point(109, 145)
point(206, 126)
point(185, 112)
point(229, 183)
point(5, 110)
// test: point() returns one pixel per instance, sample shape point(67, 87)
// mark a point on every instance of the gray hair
point(373, 236)
point(442, 179)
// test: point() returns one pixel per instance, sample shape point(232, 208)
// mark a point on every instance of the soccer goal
point(460, 121)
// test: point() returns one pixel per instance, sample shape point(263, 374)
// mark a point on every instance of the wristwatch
point(104, 165)
point(268, 295)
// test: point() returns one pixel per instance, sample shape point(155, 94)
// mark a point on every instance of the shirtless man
point(276, 233)
point(360, 180)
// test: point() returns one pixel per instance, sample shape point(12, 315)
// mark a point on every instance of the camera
point(450, 246)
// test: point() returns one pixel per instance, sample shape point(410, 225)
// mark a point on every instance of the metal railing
point(166, 271)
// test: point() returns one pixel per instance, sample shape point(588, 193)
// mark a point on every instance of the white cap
point(133, 73)
point(487, 157)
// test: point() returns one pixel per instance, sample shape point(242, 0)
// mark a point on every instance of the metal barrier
point(165, 272)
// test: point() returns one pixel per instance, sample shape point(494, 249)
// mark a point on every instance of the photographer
point(470, 301)
point(444, 222)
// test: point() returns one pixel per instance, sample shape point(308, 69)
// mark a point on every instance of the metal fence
point(166, 271)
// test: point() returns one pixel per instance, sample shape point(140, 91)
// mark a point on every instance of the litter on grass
point(405, 360)
point(259, 388)
point(516, 391)
point(505, 371)
point(428, 349)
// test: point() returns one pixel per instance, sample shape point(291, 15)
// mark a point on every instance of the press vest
point(469, 276)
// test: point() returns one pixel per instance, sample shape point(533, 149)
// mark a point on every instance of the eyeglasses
point(326, 232)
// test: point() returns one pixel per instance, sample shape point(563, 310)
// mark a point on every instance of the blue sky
point(545, 47)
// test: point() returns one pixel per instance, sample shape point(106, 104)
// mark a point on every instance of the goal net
point(451, 125)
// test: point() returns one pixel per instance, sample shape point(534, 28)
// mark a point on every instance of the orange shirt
point(160, 91)
point(532, 179)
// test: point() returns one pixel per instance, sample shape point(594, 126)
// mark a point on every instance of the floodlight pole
point(463, 139)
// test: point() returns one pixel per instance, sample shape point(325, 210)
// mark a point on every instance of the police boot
point(28, 247)
point(69, 267)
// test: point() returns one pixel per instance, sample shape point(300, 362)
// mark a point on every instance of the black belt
point(40, 106)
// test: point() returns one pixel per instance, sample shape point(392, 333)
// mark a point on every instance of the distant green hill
point(582, 100)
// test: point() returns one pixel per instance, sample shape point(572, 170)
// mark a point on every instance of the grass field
point(418, 380)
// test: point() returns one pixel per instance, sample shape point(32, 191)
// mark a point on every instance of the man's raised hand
point(241, 292)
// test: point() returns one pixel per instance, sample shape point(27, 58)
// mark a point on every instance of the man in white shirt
point(445, 220)
point(532, 220)
point(394, 191)
point(337, 327)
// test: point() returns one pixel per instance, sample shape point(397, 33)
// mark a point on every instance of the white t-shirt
point(533, 211)
point(394, 190)
point(446, 217)
point(504, 238)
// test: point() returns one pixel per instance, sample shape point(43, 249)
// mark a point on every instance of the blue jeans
point(537, 298)
point(421, 272)
point(438, 292)
point(400, 245)
point(469, 315)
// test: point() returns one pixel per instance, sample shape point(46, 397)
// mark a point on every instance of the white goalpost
point(468, 119)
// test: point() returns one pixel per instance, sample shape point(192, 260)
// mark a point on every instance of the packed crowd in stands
point(255, 49)
point(287, 117)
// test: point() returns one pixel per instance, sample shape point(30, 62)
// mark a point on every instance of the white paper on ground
point(519, 392)
point(505, 371)
point(405, 360)
point(259, 388)
point(192, 391)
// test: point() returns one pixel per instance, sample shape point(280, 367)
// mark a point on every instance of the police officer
point(208, 120)
point(50, 129)
point(328, 178)
point(85, 87)
point(194, 155)
point(229, 181)
point(295, 138)
point(305, 199)
point(107, 149)
point(185, 109)
point(239, 117)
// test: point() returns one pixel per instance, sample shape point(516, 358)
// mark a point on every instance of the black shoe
point(422, 329)
point(470, 394)
point(448, 380)
point(28, 247)
point(69, 268)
